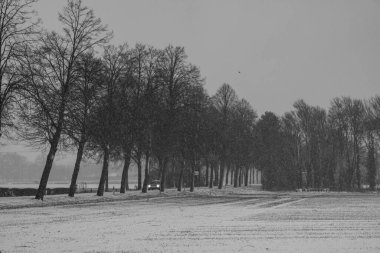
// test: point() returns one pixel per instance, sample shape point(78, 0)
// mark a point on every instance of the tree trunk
point(163, 164)
point(240, 176)
point(228, 171)
point(74, 177)
point(180, 179)
point(139, 171)
point(192, 177)
point(171, 178)
point(49, 163)
point(146, 174)
point(107, 181)
point(236, 177)
point(211, 175)
point(207, 172)
point(139, 175)
point(232, 176)
point(216, 173)
point(320, 172)
point(124, 177)
point(1, 109)
point(371, 165)
point(200, 173)
point(358, 177)
point(104, 174)
point(246, 176)
point(250, 175)
point(348, 173)
point(257, 176)
point(221, 174)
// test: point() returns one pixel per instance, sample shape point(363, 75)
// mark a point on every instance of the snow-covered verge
point(87, 198)
point(227, 220)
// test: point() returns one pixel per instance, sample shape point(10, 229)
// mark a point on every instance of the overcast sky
point(284, 50)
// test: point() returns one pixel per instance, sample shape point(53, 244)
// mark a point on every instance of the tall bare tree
point(372, 126)
point(347, 115)
point(51, 74)
point(17, 27)
point(108, 116)
point(84, 98)
point(146, 105)
point(224, 101)
point(242, 143)
point(175, 76)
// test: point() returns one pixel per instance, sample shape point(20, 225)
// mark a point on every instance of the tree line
point(314, 148)
point(149, 106)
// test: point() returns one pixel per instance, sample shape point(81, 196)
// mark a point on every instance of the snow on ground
point(227, 220)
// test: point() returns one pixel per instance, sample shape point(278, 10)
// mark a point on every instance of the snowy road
point(250, 222)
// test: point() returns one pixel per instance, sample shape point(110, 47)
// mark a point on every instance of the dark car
point(154, 185)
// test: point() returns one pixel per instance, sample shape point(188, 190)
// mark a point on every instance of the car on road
point(154, 185)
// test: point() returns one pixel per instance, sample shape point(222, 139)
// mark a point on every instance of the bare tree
point(146, 106)
point(372, 126)
point(348, 117)
point(175, 76)
point(107, 133)
point(82, 102)
point(17, 27)
point(224, 100)
point(242, 132)
point(375, 105)
point(51, 74)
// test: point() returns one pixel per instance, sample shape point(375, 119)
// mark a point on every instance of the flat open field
point(243, 220)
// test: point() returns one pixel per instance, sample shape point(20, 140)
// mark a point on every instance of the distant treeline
point(150, 105)
point(315, 148)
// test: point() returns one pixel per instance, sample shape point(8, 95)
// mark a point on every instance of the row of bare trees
point(147, 106)
point(142, 104)
point(314, 148)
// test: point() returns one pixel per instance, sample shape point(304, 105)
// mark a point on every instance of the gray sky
point(284, 50)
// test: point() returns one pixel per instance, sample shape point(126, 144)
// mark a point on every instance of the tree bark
point(74, 177)
point(107, 181)
point(250, 176)
point(207, 172)
point(227, 172)
point(49, 163)
point(104, 174)
point(211, 175)
point(221, 174)
point(192, 177)
point(1, 109)
point(358, 177)
point(240, 176)
point(232, 176)
point(371, 161)
point(171, 174)
point(163, 164)
point(180, 179)
point(146, 174)
point(236, 177)
point(216, 173)
point(139, 171)
point(246, 176)
point(124, 177)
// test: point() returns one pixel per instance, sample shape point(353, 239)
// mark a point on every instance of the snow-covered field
point(228, 220)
